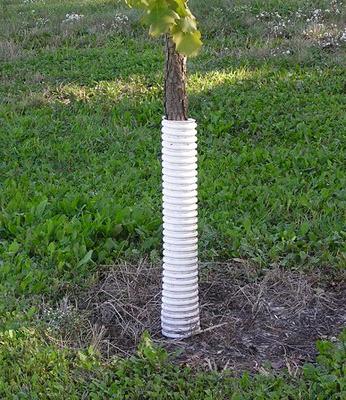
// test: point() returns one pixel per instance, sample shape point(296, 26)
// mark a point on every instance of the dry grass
point(251, 320)
point(9, 50)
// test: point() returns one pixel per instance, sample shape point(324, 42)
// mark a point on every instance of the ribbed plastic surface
point(180, 303)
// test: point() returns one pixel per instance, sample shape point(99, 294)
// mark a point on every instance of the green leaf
point(137, 3)
point(180, 6)
point(13, 248)
point(41, 207)
point(85, 259)
point(160, 18)
point(304, 228)
point(188, 24)
point(189, 43)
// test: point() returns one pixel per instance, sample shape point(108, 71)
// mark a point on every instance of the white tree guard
point(180, 302)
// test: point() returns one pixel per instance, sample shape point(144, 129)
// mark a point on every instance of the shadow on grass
point(269, 147)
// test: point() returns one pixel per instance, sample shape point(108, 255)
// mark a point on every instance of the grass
point(33, 369)
point(80, 111)
point(80, 156)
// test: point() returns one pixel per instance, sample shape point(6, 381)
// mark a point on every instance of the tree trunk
point(176, 104)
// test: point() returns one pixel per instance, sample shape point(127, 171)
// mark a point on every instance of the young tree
point(174, 19)
point(180, 304)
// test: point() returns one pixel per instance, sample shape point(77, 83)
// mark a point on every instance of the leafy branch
point(171, 17)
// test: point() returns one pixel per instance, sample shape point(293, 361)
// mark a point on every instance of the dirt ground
point(251, 319)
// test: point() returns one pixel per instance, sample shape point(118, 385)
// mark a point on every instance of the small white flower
point(119, 20)
point(73, 17)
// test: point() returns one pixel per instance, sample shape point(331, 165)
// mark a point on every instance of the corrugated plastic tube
point(180, 302)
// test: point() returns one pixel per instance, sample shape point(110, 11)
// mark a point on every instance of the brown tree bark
point(176, 102)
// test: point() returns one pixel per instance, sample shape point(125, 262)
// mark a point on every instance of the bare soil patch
point(251, 319)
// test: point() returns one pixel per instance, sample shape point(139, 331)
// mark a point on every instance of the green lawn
point(80, 112)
